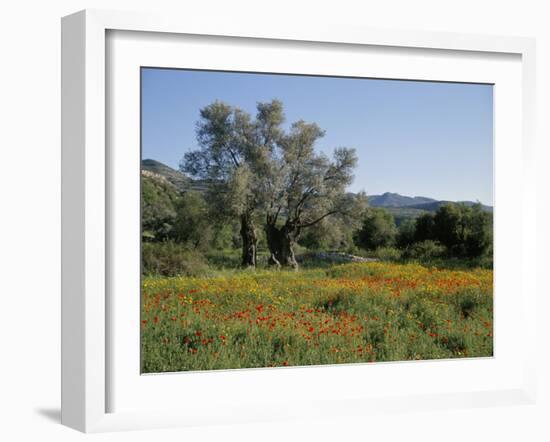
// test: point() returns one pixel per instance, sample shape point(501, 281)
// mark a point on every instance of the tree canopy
point(265, 183)
point(255, 167)
point(378, 229)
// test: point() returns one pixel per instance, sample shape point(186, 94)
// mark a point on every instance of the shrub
point(171, 259)
point(330, 234)
point(486, 260)
point(388, 254)
point(158, 208)
point(378, 230)
point(192, 225)
point(425, 251)
point(425, 228)
point(224, 259)
point(465, 231)
point(405, 233)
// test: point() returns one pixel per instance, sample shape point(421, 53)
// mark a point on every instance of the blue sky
point(414, 138)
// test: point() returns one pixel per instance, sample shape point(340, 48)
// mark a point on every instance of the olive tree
point(253, 166)
point(223, 156)
point(304, 188)
point(235, 156)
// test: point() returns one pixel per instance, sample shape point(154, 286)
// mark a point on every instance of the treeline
point(181, 235)
point(267, 180)
point(270, 193)
point(454, 231)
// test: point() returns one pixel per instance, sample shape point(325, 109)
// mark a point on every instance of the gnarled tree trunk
point(281, 242)
point(250, 241)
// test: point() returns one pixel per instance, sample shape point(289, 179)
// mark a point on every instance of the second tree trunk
point(280, 242)
point(250, 241)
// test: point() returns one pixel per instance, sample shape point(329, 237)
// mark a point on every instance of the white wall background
point(30, 214)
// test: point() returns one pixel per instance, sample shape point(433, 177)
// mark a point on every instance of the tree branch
point(302, 201)
point(235, 161)
point(277, 215)
point(332, 212)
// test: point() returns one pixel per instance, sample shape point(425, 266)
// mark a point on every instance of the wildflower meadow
point(273, 233)
point(349, 313)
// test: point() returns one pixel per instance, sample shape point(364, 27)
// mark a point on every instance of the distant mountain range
point(399, 206)
point(389, 199)
point(395, 200)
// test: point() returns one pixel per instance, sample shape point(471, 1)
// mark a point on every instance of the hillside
point(389, 199)
point(435, 205)
point(173, 176)
point(182, 182)
point(400, 206)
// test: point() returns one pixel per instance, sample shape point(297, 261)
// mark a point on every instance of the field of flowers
point(348, 313)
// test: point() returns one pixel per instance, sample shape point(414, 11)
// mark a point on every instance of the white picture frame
point(86, 316)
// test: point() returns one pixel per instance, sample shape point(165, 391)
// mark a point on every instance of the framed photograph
point(272, 223)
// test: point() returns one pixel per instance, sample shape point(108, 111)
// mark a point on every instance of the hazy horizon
point(428, 139)
point(368, 194)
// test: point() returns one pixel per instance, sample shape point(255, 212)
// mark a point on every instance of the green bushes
point(191, 224)
point(224, 259)
point(424, 251)
point(158, 208)
point(390, 254)
point(171, 259)
point(425, 228)
point(465, 231)
point(378, 230)
point(455, 232)
point(328, 234)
